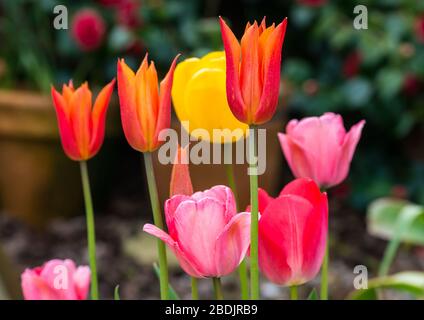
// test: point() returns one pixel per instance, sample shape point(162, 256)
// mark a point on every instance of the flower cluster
point(284, 237)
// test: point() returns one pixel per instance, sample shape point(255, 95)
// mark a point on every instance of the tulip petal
point(346, 153)
point(315, 238)
point(180, 175)
point(58, 275)
point(264, 199)
point(143, 102)
point(305, 188)
point(232, 244)
point(232, 53)
point(171, 206)
point(82, 278)
point(186, 264)
point(127, 99)
point(281, 230)
point(164, 114)
point(66, 133)
point(297, 158)
point(250, 80)
point(99, 117)
point(35, 288)
point(206, 103)
point(270, 47)
point(224, 195)
point(198, 225)
point(183, 73)
point(80, 115)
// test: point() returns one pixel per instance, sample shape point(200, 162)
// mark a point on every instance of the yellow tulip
point(199, 98)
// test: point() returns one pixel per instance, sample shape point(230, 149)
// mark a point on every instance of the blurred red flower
point(411, 85)
point(312, 3)
point(351, 64)
point(128, 13)
point(88, 29)
point(419, 28)
point(110, 3)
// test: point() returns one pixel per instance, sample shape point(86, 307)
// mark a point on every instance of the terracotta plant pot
point(37, 181)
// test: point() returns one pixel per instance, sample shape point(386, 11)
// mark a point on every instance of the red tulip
point(145, 111)
point(88, 29)
point(320, 148)
point(81, 126)
point(253, 70)
point(207, 235)
point(293, 232)
point(56, 280)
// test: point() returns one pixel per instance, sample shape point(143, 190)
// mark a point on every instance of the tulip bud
point(292, 233)
point(56, 280)
point(253, 70)
point(180, 175)
point(81, 127)
point(145, 111)
point(206, 234)
point(320, 148)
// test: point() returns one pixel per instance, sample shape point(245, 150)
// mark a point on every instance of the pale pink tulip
point(206, 233)
point(56, 280)
point(320, 148)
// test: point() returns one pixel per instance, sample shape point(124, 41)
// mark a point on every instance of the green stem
point(157, 218)
point(244, 280)
point(242, 269)
point(229, 170)
point(194, 289)
point(389, 255)
point(217, 287)
point(293, 293)
point(91, 234)
point(254, 267)
point(406, 217)
point(324, 271)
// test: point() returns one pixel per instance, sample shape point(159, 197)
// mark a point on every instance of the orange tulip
point(145, 110)
point(81, 127)
point(253, 70)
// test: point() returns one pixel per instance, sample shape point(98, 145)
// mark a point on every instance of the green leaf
point(171, 292)
point(382, 221)
point(116, 293)
point(411, 282)
point(313, 295)
point(389, 82)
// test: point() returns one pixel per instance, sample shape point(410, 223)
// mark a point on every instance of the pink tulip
point(293, 232)
point(206, 233)
point(56, 280)
point(320, 148)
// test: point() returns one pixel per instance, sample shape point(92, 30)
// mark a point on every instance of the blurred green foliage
point(36, 54)
point(375, 74)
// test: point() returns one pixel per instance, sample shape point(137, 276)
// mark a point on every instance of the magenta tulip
point(320, 148)
point(293, 232)
point(206, 233)
point(56, 280)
